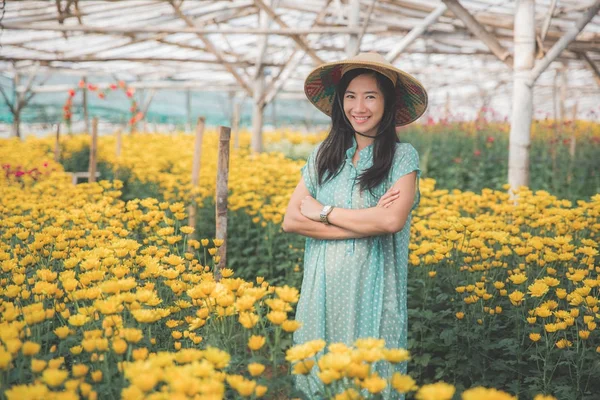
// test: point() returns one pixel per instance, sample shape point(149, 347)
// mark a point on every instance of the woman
point(353, 203)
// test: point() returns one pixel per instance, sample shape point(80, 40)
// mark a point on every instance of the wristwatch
point(324, 213)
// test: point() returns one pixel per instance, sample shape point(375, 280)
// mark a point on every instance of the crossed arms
point(387, 217)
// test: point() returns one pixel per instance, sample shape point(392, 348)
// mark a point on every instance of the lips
point(360, 120)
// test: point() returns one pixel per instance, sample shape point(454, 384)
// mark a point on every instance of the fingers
point(388, 197)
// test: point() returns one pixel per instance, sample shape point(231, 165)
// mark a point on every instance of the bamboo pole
point(235, 124)
point(188, 111)
point(86, 117)
point(57, 144)
point(93, 150)
point(196, 173)
point(415, 33)
point(573, 130)
point(352, 44)
point(522, 98)
point(479, 31)
point(564, 41)
point(564, 83)
point(284, 30)
point(222, 193)
point(16, 128)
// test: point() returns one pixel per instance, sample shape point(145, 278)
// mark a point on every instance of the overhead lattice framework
point(214, 45)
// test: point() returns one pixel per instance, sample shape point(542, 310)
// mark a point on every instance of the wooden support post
point(118, 145)
point(257, 118)
point(573, 130)
point(221, 198)
point(93, 150)
point(235, 123)
point(274, 114)
point(86, 117)
point(572, 144)
point(196, 173)
point(522, 98)
point(564, 82)
point(188, 111)
point(57, 144)
point(16, 128)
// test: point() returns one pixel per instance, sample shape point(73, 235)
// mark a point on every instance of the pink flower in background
point(477, 153)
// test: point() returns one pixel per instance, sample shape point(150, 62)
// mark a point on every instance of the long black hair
point(332, 152)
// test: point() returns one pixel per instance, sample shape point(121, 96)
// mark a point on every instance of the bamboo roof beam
point(290, 66)
point(296, 38)
point(417, 31)
point(157, 85)
point(213, 49)
point(564, 41)
point(279, 81)
point(480, 32)
point(366, 23)
point(592, 66)
point(284, 31)
point(547, 20)
point(284, 73)
point(45, 60)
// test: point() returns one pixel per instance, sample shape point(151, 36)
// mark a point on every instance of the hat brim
point(411, 96)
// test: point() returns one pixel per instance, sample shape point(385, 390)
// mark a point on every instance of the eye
point(349, 96)
point(370, 96)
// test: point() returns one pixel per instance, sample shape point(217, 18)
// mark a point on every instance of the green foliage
point(489, 350)
point(253, 249)
point(462, 157)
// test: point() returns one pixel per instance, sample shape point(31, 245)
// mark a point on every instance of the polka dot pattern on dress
point(356, 288)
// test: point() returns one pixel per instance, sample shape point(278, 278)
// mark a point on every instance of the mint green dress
point(355, 288)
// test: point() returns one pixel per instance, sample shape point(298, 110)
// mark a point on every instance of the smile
point(360, 120)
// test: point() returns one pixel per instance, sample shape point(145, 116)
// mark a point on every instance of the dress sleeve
point(405, 162)
point(309, 173)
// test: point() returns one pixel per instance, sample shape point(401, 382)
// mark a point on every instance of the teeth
point(361, 118)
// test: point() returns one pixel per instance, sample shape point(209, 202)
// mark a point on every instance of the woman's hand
point(311, 208)
point(388, 198)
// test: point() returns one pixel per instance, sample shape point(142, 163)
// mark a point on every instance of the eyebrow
point(370, 92)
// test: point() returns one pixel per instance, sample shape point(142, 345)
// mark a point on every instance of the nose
point(360, 104)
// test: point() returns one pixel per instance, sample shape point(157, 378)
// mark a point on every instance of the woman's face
point(363, 104)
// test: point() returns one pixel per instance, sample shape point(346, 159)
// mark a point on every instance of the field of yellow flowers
point(107, 297)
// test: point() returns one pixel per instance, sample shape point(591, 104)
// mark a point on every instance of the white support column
point(258, 106)
point(353, 18)
point(522, 100)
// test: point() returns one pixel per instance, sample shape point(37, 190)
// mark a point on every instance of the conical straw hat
point(411, 97)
